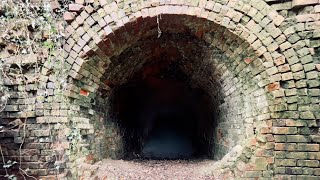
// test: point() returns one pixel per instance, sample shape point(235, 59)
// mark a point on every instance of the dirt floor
point(149, 169)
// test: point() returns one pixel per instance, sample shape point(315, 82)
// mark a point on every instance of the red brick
point(84, 92)
point(273, 86)
point(89, 158)
point(248, 60)
point(54, 5)
point(296, 123)
point(280, 60)
point(304, 2)
point(75, 7)
point(265, 130)
point(280, 146)
point(69, 16)
point(269, 137)
point(284, 68)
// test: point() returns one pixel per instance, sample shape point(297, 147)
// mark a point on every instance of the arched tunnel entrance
point(193, 91)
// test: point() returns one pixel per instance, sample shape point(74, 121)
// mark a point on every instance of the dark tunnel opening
point(162, 117)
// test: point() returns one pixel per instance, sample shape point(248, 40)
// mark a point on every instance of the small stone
point(50, 85)
point(12, 48)
point(45, 35)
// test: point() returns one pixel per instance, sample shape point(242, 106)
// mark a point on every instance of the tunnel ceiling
point(176, 51)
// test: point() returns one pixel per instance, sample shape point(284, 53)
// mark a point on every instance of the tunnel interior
point(161, 115)
point(171, 98)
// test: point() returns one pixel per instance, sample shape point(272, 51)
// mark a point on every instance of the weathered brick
point(252, 174)
point(308, 147)
point(75, 7)
point(284, 68)
point(278, 93)
point(317, 171)
point(303, 2)
point(307, 115)
point(273, 86)
point(280, 138)
point(297, 138)
point(296, 67)
point(285, 162)
point(295, 123)
point(280, 60)
point(315, 138)
point(287, 76)
point(309, 177)
point(297, 155)
point(294, 170)
point(284, 130)
point(308, 163)
point(280, 170)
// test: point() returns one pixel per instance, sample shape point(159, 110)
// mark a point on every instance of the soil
point(149, 169)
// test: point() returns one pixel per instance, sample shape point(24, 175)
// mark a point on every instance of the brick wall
point(267, 72)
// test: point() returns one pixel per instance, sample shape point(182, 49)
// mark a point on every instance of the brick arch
point(268, 51)
point(112, 30)
point(109, 22)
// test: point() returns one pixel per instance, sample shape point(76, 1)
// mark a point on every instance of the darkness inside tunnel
point(161, 116)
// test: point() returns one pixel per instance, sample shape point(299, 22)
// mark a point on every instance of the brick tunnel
point(164, 99)
point(170, 94)
point(231, 85)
